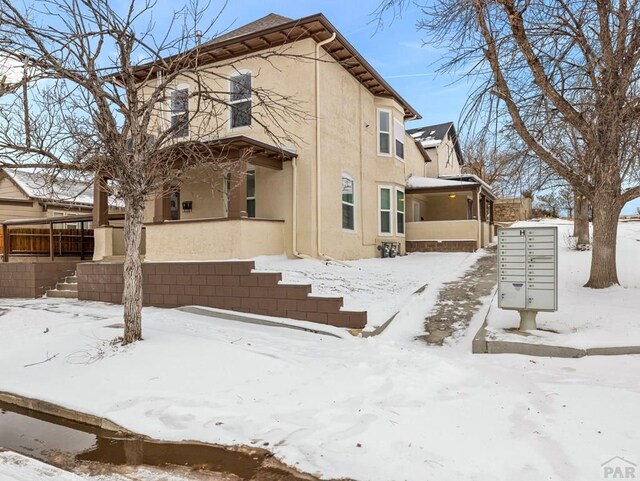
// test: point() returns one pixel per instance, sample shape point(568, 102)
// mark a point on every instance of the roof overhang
point(237, 147)
point(315, 26)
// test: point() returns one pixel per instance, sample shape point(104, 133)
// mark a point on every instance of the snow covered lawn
point(585, 317)
point(379, 286)
point(377, 409)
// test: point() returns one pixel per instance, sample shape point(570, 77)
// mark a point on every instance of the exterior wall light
point(452, 196)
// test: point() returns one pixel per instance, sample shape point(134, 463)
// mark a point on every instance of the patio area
point(448, 215)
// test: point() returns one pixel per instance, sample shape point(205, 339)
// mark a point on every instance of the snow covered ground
point(373, 409)
point(379, 286)
point(585, 317)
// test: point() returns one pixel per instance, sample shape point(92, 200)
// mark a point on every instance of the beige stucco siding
point(443, 230)
point(348, 138)
point(213, 240)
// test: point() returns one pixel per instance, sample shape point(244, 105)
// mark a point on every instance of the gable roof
point(431, 136)
point(275, 30)
point(41, 187)
point(431, 133)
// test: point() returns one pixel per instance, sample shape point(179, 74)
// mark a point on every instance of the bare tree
point(111, 106)
point(556, 69)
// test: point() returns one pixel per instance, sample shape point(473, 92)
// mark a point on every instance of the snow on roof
point(430, 143)
point(474, 178)
point(415, 182)
point(40, 186)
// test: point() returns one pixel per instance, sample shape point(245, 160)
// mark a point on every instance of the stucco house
point(351, 184)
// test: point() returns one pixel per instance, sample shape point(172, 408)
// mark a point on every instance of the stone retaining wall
point(31, 280)
point(441, 246)
point(225, 285)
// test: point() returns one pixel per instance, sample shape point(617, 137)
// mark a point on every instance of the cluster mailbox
point(528, 271)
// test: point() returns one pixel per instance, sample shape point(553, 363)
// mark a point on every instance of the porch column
point(162, 206)
point(476, 203)
point(100, 202)
point(238, 191)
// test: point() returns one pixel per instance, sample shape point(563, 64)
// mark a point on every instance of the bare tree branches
point(565, 77)
point(124, 103)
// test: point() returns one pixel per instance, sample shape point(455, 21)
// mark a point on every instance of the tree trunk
point(132, 294)
point(604, 273)
point(581, 221)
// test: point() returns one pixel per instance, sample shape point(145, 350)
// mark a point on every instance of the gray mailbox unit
point(528, 271)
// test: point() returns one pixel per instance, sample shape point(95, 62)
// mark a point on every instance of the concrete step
point(64, 294)
point(71, 280)
point(67, 286)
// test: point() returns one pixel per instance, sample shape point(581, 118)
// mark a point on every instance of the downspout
point(318, 177)
point(294, 222)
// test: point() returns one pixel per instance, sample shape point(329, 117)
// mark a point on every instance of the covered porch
point(448, 215)
point(212, 213)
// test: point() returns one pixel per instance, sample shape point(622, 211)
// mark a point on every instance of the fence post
point(51, 247)
point(82, 240)
point(5, 242)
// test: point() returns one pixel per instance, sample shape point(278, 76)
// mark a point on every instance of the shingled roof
point(431, 136)
point(268, 21)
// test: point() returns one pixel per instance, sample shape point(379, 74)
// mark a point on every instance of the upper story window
point(348, 203)
point(180, 112)
point(240, 100)
point(399, 137)
point(384, 132)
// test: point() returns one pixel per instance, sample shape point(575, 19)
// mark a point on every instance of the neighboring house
point(443, 149)
point(31, 195)
point(510, 210)
point(340, 193)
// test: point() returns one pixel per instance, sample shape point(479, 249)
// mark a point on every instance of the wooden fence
point(24, 241)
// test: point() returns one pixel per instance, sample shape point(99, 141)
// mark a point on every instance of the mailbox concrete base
point(528, 320)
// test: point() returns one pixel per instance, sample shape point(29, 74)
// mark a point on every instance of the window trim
point(390, 210)
point(177, 88)
point(389, 132)
point(404, 212)
point(396, 122)
point(345, 175)
point(237, 73)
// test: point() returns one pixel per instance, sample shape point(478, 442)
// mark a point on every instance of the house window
point(251, 193)
point(180, 112)
point(348, 203)
point(384, 132)
point(240, 100)
point(384, 208)
point(399, 136)
point(399, 211)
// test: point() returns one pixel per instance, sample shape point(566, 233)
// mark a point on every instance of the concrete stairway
point(67, 288)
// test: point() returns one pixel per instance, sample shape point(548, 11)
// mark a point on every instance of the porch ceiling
point(451, 189)
point(240, 147)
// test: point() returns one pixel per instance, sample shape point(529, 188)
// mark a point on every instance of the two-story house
point(349, 185)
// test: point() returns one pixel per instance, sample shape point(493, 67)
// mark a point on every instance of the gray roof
point(431, 132)
point(268, 21)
